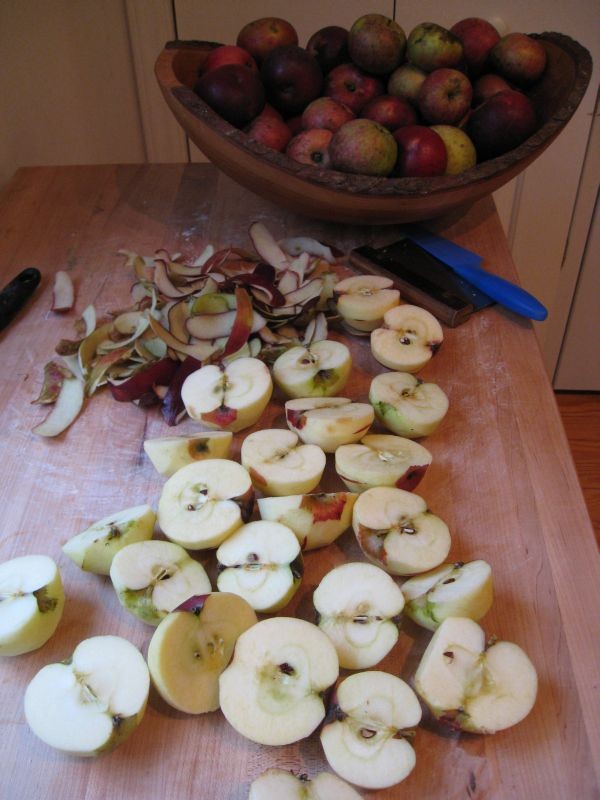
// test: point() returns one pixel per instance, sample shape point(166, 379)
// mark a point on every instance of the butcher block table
point(502, 478)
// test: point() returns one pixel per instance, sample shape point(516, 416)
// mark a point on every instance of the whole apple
point(478, 37)
point(519, 58)
point(270, 129)
point(501, 123)
point(363, 147)
point(329, 46)
point(233, 91)
point(487, 86)
point(391, 112)
point(291, 77)
point(228, 54)
point(421, 152)
point(445, 96)
point(460, 150)
point(311, 147)
point(405, 81)
point(430, 46)
point(376, 43)
point(325, 112)
point(262, 35)
point(352, 87)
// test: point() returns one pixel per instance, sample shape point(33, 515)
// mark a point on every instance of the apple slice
point(316, 519)
point(319, 370)
point(382, 460)
point(328, 421)
point(406, 405)
point(280, 784)
point(228, 397)
point(93, 701)
point(362, 300)
point(192, 646)
point(170, 453)
point(396, 530)
point(153, 578)
point(205, 502)
point(271, 693)
point(408, 340)
point(369, 729)
point(451, 590)
point(279, 465)
point(94, 549)
point(32, 599)
point(261, 562)
point(473, 686)
point(358, 606)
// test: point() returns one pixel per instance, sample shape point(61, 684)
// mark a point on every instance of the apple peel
point(66, 410)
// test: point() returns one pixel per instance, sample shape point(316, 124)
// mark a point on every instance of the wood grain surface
point(502, 478)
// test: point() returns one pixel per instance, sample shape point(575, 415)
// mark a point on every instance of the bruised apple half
point(280, 784)
point(382, 460)
point(328, 421)
point(473, 685)
point(193, 645)
point(369, 729)
point(272, 692)
point(170, 453)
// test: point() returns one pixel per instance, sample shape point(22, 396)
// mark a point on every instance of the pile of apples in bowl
point(372, 125)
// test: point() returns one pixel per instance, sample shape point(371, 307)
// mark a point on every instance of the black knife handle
point(16, 293)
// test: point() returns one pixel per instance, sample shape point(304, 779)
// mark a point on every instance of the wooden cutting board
point(502, 478)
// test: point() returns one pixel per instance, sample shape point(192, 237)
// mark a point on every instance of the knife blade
point(16, 293)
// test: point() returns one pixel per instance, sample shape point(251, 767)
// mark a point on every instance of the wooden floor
point(581, 417)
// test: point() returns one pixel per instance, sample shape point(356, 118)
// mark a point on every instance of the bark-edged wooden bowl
point(357, 199)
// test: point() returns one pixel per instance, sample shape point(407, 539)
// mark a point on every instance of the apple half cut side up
point(328, 422)
point(279, 465)
point(407, 405)
point(382, 460)
point(320, 370)
point(410, 337)
point(362, 300)
point(281, 784)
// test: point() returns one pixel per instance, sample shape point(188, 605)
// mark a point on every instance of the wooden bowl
point(358, 199)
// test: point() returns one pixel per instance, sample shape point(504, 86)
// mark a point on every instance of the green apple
point(460, 149)
point(170, 453)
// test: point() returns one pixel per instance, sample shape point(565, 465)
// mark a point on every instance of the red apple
point(391, 112)
point(478, 37)
point(329, 46)
point(430, 47)
point(421, 152)
point(325, 112)
point(487, 86)
point(519, 58)
point(261, 36)
point(311, 147)
point(445, 96)
point(352, 87)
point(376, 44)
point(501, 123)
point(270, 129)
point(233, 91)
point(291, 77)
point(363, 147)
point(228, 54)
point(406, 82)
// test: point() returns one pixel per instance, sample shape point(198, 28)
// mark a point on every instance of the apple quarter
point(410, 336)
point(278, 464)
point(407, 405)
point(170, 453)
point(382, 460)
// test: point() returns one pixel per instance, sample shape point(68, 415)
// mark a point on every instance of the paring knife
point(16, 293)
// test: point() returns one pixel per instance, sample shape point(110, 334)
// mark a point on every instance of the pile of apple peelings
point(227, 304)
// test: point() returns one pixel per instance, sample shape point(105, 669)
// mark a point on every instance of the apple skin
point(325, 112)
point(487, 86)
point(445, 96)
point(390, 111)
point(501, 123)
point(352, 87)
point(430, 46)
point(421, 152)
point(363, 147)
point(459, 149)
point(262, 35)
point(376, 44)
point(519, 58)
point(270, 129)
point(329, 45)
point(311, 147)
point(478, 37)
point(406, 82)
point(228, 54)
point(234, 92)
point(292, 78)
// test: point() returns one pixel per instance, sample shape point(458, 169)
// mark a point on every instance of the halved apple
point(170, 453)
point(396, 530)
point(358, 606)
point(279, 465)
point(94, 549)
point(382, 460)
point(152, 578)
point(319, 370)
point(362, 300)
point(406, 405)
point(272, 692)
point(230, 397)
point(369, 729)
point(32, 600)
point(451, 590)
point(261, 562)
point(408, 340)
point(192, 646)
point(474, 686)
point(280, 784)
point(204, 502)
point(328, 421)
point(91, 702)
point(316, 519)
